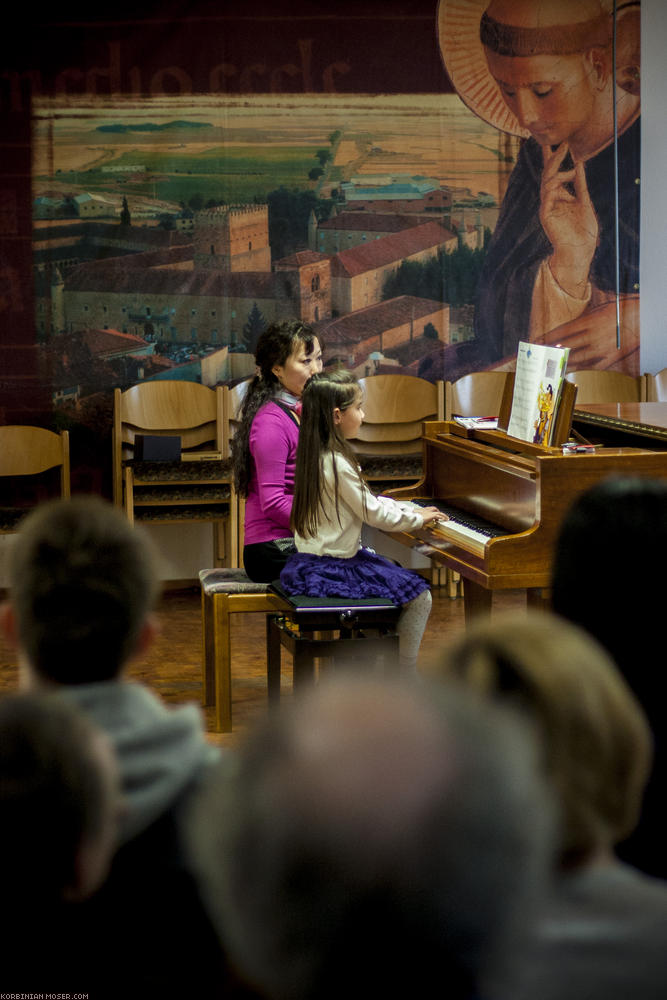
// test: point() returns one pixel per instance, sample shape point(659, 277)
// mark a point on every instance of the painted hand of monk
point(569, 221)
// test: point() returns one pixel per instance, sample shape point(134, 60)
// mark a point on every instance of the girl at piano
point(332, 502)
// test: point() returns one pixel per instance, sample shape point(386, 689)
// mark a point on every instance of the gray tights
point(411, 624)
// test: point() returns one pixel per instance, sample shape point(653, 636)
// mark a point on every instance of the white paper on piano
point(482, 423)
point(540, 371)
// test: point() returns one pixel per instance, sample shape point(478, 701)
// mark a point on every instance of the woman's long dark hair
point(319, 434)
point(273, 348)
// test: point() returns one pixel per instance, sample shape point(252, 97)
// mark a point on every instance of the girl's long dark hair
point(273, 348)
point(318, 435)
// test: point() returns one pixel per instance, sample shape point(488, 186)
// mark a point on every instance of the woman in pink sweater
point(264, 447)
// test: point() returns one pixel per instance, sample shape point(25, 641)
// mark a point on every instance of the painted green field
point(233, 174)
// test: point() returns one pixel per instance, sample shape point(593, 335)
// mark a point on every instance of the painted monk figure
point(553, 252)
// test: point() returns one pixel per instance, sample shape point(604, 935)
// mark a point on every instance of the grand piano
point(506, 499)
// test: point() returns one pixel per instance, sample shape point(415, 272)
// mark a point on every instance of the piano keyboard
point(464, 526)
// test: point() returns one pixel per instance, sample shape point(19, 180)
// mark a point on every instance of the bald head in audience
point(374, 836)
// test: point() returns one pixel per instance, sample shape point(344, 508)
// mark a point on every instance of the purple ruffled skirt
point(364, 575)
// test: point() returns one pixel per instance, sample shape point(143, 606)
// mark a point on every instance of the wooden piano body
point(519, 487)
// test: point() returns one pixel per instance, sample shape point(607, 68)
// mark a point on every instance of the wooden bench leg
point(305, 653)
point(208, 655)
point(222, 660)
point(273, 658)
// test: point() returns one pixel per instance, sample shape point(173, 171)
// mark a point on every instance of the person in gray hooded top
point(82, 590)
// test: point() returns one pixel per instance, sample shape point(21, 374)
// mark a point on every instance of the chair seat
point(179, 471)
point(229, 581)
point(391, 467)
point(178, 514)
point(180, 493)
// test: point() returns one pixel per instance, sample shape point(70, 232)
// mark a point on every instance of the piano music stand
point(562, 419)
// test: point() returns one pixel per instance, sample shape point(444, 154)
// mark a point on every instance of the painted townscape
point(167, 235)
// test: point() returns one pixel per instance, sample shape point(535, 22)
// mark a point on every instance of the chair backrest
point(656, 387)
point(25, 454)
point(395, 407)
point(29, 451)
point(478, 394)
point(193, 412)
point(607, 386)
point(235, 401)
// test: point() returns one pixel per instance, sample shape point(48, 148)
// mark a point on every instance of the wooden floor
point(173, 667)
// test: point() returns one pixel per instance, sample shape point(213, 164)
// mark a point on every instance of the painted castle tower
point(232, 239)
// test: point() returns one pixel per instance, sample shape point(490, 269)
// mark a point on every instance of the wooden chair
point(236, 396)
point(194, 486)
point(388, 444)
point(607, 386)
point(225, 592)
point(478, 394)
point(305, 626)
point(30, 452)
point(656, 387)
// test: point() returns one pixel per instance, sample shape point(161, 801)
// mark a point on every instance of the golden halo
point(463, 55)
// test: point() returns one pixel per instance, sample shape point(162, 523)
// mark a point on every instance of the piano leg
point(476, 600)
point(538, 598)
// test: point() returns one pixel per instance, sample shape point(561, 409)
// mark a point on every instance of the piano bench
point(305, 626)
point(225, 592)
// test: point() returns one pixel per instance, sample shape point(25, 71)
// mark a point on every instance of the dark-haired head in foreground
point(608, 571)
point(59, 803)
point(608, 577)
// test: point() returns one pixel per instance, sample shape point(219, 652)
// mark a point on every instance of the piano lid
point(639, 424)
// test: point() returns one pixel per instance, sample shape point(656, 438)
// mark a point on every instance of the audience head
point(82, 584)
point(374, 837)
point(59, 801)
point(608, 572)
point(595, 738)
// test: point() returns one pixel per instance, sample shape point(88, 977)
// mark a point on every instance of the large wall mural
point(426, 184)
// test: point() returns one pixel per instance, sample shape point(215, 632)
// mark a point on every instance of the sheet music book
point(540, 372)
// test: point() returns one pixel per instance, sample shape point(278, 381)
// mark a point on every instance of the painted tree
point(253, 328)
point(125, 217)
